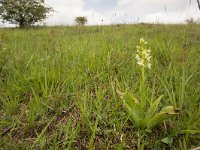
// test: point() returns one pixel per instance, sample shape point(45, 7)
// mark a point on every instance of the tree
point(81, 20)
point(24, 13)
point(190, 21)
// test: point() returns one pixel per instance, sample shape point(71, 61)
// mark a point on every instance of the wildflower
point(143, 55)
point(142, 41)
point(140, 63)
point(149, 66)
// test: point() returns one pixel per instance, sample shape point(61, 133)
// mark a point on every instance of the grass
point(58, 86)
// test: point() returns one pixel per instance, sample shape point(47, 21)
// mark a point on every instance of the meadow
point(66, 87)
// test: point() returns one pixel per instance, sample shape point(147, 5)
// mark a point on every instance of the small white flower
point(149, 66)
point(149, 51)
point(138, 47)
point(140, 63)
point(143, 55)
point(137, 57)
point(148, 58)
point(142, 41)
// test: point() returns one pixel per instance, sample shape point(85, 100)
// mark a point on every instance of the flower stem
point(142, 87)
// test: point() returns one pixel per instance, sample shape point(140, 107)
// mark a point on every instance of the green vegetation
point(76, 87)
point(22, 12)
point(81, 20)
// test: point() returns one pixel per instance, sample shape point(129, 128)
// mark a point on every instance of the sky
point(122, 11)
point(101, 12)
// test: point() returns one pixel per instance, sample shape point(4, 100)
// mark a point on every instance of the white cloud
point(64, 11)
point(122, 11)
point(125, 11)
point(163, 11)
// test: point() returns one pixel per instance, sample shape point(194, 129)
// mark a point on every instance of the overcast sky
point(122, 11)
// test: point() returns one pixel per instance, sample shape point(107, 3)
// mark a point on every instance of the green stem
point(142, 88)
point(138, 144)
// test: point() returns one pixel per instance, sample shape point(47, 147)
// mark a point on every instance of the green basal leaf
point(133, 97)
point(170, 110)
point(164, 114)
point(133, 112)
point(167, 140)
point(153, 108)
point(157, 119)
point(148, 130)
